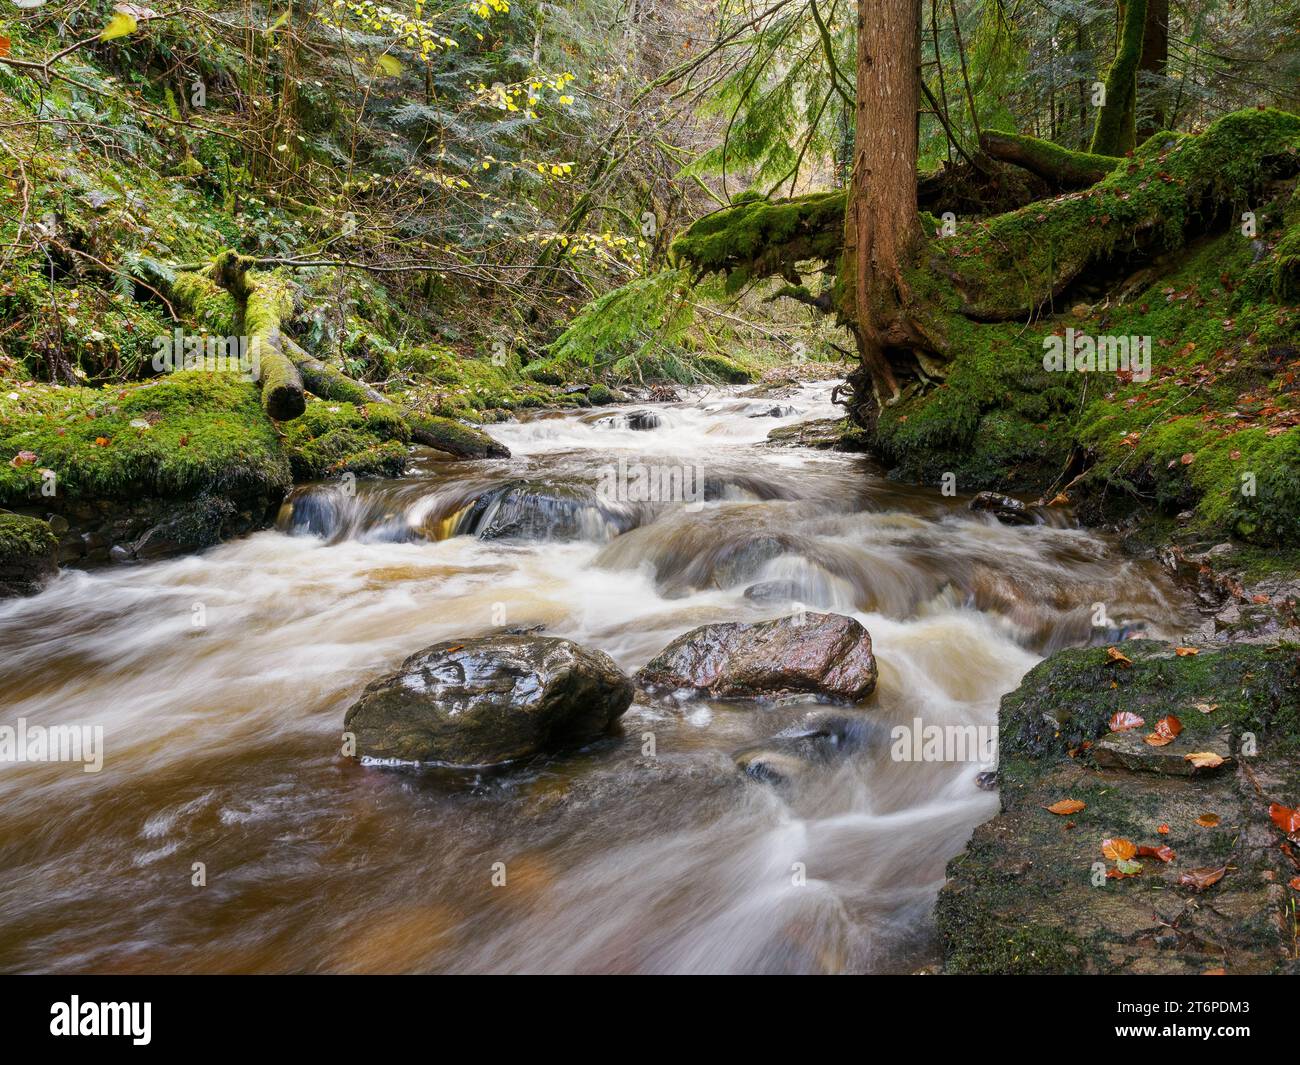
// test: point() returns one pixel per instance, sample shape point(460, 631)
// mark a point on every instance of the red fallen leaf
point(1167, 730)
point(1118, 849)
point(1294, 883)
point(1183, 652)
point(1259, 599)
point(1287, 819)
point(1123, 720)
point(1208, 820)
point(101, 441)
point(1116, 655)
point(4, 46)
point(1165, 854)
point(1062, 807)
point(1163, 830)
point(23, 458)
point(1200, 879)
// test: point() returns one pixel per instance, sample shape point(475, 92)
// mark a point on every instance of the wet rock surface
point(822, 434)
point(544, 510)
point(823, 655)
point(489, 700)
point(821, 741)
point(1031, 894)
point(1007, 510)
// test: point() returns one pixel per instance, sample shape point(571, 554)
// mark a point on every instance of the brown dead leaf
point(1208, 820)
point(1183, 652)
point(1116, 655)
point(1167, 730)
point(1124, 720)
point(1200, 879)
point(1165, 854)
point(1064, 807)
point(1294, 883)
point(1204, 759)
point(1207, 708)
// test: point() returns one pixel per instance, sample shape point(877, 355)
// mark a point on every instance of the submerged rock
point(489, 699)
point(790, 755)
point(640, 420)
point(824, 655)
point(542, 510)
point(1007, 510)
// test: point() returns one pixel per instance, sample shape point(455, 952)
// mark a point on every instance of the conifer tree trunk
point(881, 224)
point(1155, 61)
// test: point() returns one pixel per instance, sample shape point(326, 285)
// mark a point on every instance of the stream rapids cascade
point(699, 834)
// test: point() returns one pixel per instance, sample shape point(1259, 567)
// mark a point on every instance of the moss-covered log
point(1014, 264)
point(268, 301)
point(1116, 130)
point(446, 434)
point(325, 382)
point(1064, 168)
point(762, 238)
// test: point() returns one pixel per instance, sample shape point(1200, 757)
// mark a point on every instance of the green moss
point(1062, 166)
point(981, 944)
point(194, 431)
point(454, 438)
point(1015, 263)
point(208, 305)
point(722, 368)
point(1068, 699)
point(331, 439)
point(1286, 268)
point(25, 539)
point(1115, 132)
point(759, 238)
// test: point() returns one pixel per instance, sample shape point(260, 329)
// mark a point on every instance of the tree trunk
point(1116, 129)
point(881, 224)
point(1155, 59)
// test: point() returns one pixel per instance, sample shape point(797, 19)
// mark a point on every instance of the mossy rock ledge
point(28, 554)
point(143, 471)
point(1029, 893)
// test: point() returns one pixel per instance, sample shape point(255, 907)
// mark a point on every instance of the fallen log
point(1063, 168)
point(444, 434)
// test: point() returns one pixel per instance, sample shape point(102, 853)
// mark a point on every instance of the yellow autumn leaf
point(120, 25)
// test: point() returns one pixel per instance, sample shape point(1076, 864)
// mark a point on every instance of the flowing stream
point(221, 681)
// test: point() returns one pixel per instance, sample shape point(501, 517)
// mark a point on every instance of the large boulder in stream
point(823, 655)
point(489, 699)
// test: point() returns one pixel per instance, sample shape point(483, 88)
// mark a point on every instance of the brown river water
point(221, 740)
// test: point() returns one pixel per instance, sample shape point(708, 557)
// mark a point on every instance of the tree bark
point(881, 224)
point(1155, 60)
